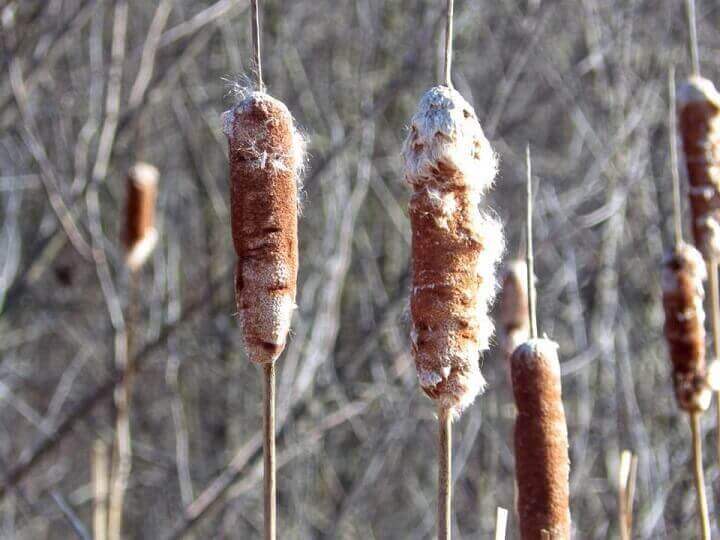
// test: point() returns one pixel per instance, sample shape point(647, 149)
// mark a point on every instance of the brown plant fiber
point(699, 120)
point(513, 311)
point(682, 276)
point(265, 158)
point(455, 247)
point(542, 465)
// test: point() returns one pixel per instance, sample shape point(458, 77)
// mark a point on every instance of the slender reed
point(139, 238)
point(449, 164)
point(542, 465)
point(266, 155)
point(100, 490)
point(702, 506)
point(501, 518)
point(626, 493)
point(444, 474)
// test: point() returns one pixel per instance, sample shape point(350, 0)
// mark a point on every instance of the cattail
point(140, 235)
point(542, 464)
point(699, 114)
point(513, 310)
point(266, 154)
point(455, 247)
point(683, 272)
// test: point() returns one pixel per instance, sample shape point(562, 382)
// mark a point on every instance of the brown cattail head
point(140, 235)
point(513, 311)
point(266, 155)
point(455, 247)
point(542, 465)
point(683, 272)
point(699, 112)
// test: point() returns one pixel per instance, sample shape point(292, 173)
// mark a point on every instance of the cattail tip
point(698, 89)
point(141, 251)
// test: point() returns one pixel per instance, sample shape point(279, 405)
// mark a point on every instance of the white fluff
point(140, 252)
point(698, 89)
point(446, 129)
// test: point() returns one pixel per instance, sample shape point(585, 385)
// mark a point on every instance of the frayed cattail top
point(513, 312)
point(683, 272)
point(140, 235)
point(266, 155)
point(542, 465)
point(449, 164)
point(699, 111)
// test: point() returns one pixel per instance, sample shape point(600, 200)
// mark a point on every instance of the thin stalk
point(122, 454)
point(692, 36)
point(672, 131)
point(270, 486)
point(444, 474)
point(714, 286)
point(529, 255)
point(100, 490)
point(449, 43)
point(631, 493)
point(256, 43)
point(702, 506)
point(501, 518)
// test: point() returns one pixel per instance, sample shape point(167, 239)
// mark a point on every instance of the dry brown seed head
point(683, 272)
point(542, 465)
point(699, 112)
point(266, 154)
point(140, 235)
point(455, 247)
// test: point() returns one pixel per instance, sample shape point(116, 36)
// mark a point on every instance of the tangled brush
point(542, 465)
point(140, 235)
point(266, 156)
point(513, 309)
point(683, 272)
point(455, 247)
point(699, 115)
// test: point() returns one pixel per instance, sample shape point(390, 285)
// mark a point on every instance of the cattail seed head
point(683, 272)
point(699, 115)
point(542, 465)
point(266, 155)
point(449, 164)
point(140, 235)
point(513, 311)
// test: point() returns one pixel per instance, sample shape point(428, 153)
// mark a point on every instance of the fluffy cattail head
point(140, 235)
point(542, 465)
point(683, 272)
point(699, 112)
point(513, 311)
point(455, 247)
point(266, 154)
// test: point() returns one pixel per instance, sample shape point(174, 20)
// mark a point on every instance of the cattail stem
point(530, 257)
point(444, 474)
point(256, 43)
point(449, 43)
point(100, 490)
point(501, 518)
point(702, 506)
point(714, 286)
point(122, 455)
point(626, 493)
point(692, 36)
point(270, 502)
point(674, 169)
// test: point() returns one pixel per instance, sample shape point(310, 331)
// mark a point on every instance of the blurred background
point(89, 87)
